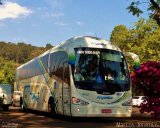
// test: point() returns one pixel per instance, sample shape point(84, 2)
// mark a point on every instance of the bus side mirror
point(135, 58)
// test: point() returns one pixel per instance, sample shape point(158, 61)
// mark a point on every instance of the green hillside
point(12, 55)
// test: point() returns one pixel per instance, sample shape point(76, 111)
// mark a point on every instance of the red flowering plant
point(147, 80)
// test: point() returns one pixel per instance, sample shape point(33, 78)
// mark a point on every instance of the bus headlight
point(127, 103)
point(78, 101)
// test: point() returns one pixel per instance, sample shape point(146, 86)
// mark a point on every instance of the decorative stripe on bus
point(123, 97)
point(46, 77)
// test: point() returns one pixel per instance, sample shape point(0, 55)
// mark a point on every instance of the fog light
point(129, 110)
point(78, 101)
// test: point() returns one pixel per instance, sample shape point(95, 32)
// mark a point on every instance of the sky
point(39, 22)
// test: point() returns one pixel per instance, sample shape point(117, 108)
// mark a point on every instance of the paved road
point(33, 119)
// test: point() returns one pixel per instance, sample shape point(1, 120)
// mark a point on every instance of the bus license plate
point(106, 110)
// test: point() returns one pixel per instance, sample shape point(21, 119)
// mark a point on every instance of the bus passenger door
point(27, 96)
point(66, 90)
point(35, 93)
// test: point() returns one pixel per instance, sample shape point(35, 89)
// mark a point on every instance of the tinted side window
point(44, 60)
point(57, 60)
point(53, 61)
point(22, 72)
point(33, 69)
point(66, 74)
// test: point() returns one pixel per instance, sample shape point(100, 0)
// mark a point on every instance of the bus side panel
point(35, 92)
point(44, 95)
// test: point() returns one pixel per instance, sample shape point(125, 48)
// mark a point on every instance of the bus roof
point(85, 41)
point(75, 42)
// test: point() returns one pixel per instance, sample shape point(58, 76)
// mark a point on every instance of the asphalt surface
point(15, 118)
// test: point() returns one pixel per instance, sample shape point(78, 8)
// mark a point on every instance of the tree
point(23, 52)
point(120, 36)
point(142, 38)
point(19, 53)
point(147, 80)
point(48, 46)
point(7, 72)
point(153, 8)
point(36, 52)
point(13, 55)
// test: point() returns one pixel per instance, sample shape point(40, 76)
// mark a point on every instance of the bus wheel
point(5, 108)
point(51, 107)
point(22, 107)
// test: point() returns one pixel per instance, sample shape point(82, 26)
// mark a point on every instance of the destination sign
point(88, 52)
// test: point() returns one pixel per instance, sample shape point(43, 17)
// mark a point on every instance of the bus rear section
point(101, 84)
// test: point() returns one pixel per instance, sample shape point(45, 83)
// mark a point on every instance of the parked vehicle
point(16, 98)
point(5, 95)
point(137, 100)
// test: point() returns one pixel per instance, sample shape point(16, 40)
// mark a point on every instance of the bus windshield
point(102, 70)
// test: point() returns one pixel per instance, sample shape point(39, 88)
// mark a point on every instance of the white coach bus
point(81, 77)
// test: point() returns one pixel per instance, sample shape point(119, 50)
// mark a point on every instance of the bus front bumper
point(101, 111)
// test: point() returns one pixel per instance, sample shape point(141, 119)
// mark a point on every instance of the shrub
point(147, 80)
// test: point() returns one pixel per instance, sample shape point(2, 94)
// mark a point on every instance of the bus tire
point(5, 108)
point(52, 107)
point(22, 107)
